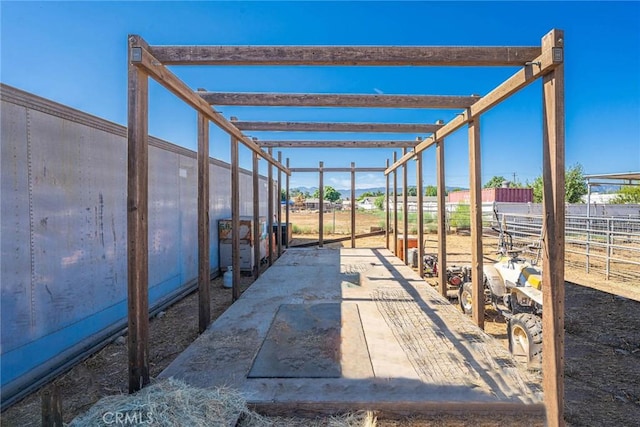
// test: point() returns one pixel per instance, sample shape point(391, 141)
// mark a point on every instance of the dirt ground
point(602, 345)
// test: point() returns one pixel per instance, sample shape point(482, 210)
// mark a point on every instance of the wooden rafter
point(337, 100)
point(316, 170)
point(346, 55)
point(337, 144)
point(337, 127)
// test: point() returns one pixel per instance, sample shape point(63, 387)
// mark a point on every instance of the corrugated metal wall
point(64, 278)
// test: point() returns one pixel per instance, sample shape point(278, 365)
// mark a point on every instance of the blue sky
point(75, 53)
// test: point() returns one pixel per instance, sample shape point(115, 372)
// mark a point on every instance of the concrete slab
point(401, 347)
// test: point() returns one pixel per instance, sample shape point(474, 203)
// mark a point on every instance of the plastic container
point(227, 278)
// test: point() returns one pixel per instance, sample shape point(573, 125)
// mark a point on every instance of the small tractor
point(513, 287)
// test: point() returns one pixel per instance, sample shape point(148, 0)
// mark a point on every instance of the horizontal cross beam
point(337, 169)
point(346, 55)
point(337, 144)
point(337, 100)
point(337, 127)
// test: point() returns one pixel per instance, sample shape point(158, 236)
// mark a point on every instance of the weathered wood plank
point(147, 62)
point(337, 100)
point(353, 205)
point(442, 224)
point(51, 407)
point(405, 210)
point(204, 267)
point(553, 172)
point(346, 55)
point(137, 226)
point(279, 213)
point(270, 210)
point(420, 225)
point(337, 144)
point(235, 218)
point(475, 208)
point(395, 206)
point(337, 127)
point(257, 232)
point(287, 208)
point(361, 169)
point(321, 202)
point(386, 209)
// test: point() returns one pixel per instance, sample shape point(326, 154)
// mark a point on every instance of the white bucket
point(227, 278)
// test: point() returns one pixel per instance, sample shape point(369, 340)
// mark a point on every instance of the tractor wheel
point(525, 338)
point(465, 298)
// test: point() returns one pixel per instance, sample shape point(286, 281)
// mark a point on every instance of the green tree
point(575, 186)
point(412, 191)
point(330, 194)
point(370, 194)
point(495, 182)
point(283, 195)
point(379, 202)
point(628, 194)
point(431, 191)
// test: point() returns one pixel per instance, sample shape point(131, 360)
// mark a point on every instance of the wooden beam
point(51, 407)
point(346, 55)
point(475, 208)
point(545, 63)
point(137, 226)
point(405, 211)
point(257, 232)
point(417, 128)
point(553, 293)
point(287, 206)
point(353, 205)
point(420, 222)
point(270, 210)
point(321, 204)
point(315, 170)
point(235, 218)
point(387, 199)
point(337, 144)
point(337, 100)
point(141, 58)
point(442, 219)
point(204, 264)
point(279, 213)
point(395, 206)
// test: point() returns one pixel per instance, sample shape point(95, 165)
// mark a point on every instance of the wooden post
point(405, 211)
point(270, 210)
point(51, 407)
point(321, 203)
point(204, 265)
point(553, 172)
point(475, 208)
point(235, 218)
point(137, 227)
point(286, 216)
point(257, 232)
point(353, 205)
point(386, 209)
point(420, 222)
point(279, 214)
point(442, 220)
point(395, 206)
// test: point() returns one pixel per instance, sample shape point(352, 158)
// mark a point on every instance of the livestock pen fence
point(608, 246)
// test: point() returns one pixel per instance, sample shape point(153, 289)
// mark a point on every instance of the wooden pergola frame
point(545, 61)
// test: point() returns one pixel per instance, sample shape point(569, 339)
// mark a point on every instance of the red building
point(514, 195)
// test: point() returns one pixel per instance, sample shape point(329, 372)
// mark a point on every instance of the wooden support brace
point(475, 207)
point(336, 144)
point(386, 209)
point(417, 128)
point(51, 407)
point(137, 227)
point(279, 213)
point(395, 206)
point(420, 220)
point(270, 210)
point(405, 211)
point(353, 205)
point(442, 220)
point(204, 264)
point(321, 203)
point(553, 249)
point(287, 208)
point(257, 232)
point(235, 218)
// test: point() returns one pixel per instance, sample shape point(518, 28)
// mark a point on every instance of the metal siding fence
point(63, 207)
